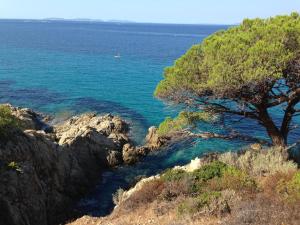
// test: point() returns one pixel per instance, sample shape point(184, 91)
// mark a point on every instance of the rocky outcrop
point(90, 131)
point(43, 173)
point(44, 169)
point(109, 126)
point(153, 142)
point(30, 119)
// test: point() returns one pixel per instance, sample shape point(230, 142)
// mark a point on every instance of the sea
point(64, 68)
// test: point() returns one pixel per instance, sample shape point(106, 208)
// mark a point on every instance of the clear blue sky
point(162, 11)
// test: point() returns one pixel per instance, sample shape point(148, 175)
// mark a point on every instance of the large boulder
point(105, 125)
point(103, 136)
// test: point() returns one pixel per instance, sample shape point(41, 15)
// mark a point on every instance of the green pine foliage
point(183, 120)
point(225, 61)
point(244, 71)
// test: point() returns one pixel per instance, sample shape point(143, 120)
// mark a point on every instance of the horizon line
point(87, 20)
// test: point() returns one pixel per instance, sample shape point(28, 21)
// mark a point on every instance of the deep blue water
point(64, 68)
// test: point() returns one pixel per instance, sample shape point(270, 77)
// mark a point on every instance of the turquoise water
point(65, 68)
point(68, 67)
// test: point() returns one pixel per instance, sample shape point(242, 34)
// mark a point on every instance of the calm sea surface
point(64, 68)
point(59, 67)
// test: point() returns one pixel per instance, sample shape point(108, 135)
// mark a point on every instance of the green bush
point(193, 205)
point(7, 120)
point(233, 179)
point(206, 198)
point(173, 175)
point(216, 176)
point(207, 172)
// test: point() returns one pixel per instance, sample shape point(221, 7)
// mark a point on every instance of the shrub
point(272, 162)
point(187, 207)
point(289, 190)
point(147, 194)
point(207, 200)
point(7, 120)
point(173, 175)
point(173, 189)
point(229, 158)
point(271, 182)
point(268, 161)
point(207, 172)
point(234, 179)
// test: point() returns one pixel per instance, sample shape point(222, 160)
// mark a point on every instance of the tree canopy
point(245, 70)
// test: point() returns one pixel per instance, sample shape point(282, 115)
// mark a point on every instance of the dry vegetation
point(256, 187)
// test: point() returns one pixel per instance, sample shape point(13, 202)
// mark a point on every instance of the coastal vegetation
point(7, 120)
point(182, 121)
point(230, 188)
point(245, 72)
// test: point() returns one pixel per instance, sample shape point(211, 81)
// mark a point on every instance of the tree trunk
point(289, 112)
point(278, 139)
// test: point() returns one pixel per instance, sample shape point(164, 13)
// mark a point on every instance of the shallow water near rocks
point(66, 68)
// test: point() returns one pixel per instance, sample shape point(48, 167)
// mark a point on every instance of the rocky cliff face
point(41, 173)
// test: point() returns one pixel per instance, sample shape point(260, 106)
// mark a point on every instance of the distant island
point(72, 20)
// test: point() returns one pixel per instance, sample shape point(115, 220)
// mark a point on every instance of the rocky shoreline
point(46, 168)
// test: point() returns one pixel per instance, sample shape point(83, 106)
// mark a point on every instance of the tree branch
point(207, 135)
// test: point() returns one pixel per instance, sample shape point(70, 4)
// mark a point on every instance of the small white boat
point(118, 56)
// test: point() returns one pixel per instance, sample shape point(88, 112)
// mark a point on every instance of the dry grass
point(254, 188)
point(147, 194)
point(262, 210)
point(147, 215)
point(258, 163)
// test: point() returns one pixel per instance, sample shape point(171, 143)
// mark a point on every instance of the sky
point(154, 11)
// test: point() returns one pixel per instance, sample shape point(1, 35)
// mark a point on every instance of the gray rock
point(30, 120)
point(114, 158)
point(45, 173)
point(130, 155)
point(154, 141)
